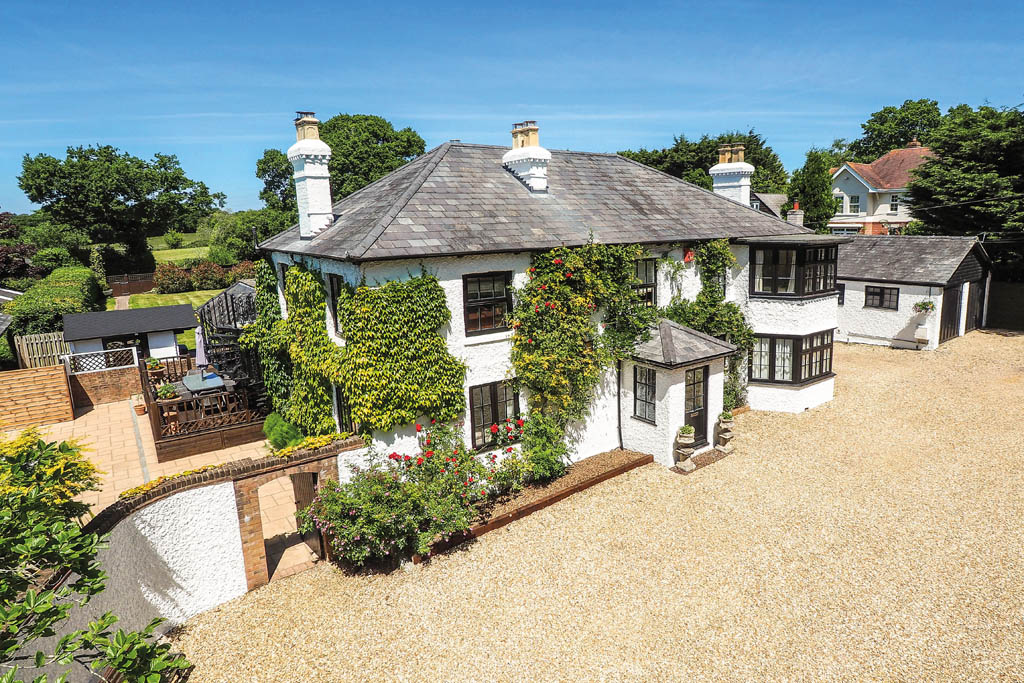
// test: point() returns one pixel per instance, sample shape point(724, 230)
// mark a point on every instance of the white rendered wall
point(599, 431)
point(86, 345)
point(162, 344)
point(884, 326)
point(790, 399)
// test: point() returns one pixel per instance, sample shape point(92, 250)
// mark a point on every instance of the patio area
point(877, 537)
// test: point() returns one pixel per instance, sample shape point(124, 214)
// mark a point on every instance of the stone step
point(686, 465)
point(724, 448)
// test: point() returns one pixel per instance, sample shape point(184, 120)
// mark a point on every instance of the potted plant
point(684, 437)
point(140, 408)
point(726, 420)
point(155, 368)
point(166, 391)
point(924, 308)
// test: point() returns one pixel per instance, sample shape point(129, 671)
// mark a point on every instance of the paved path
point(121, 302)
point(876, 538)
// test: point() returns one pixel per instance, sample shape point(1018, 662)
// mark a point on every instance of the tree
point(116, 197)
point(839, 153)
point(812, 187)
point(893, 127)
point(363, 149)
point(234, 232)
point(979, 155)
point(40, 539)
point(15, 256)
point(691, 160)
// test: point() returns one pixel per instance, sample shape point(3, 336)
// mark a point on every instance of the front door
point(697, 403)
point(949, 326)
point(975, 297)
point(304, 487)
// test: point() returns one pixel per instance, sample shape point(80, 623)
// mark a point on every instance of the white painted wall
point(163, 344)
point(86, 345)
point(790, 399)
point(887, 327)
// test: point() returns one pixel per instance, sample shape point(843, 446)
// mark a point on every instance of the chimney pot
point(309, 157)
point(527, 160)
point(730, 177)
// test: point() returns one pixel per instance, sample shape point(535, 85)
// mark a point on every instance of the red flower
point(536, 309)
point(429, 454)
point(519, 422)
point(508, 428)
point(419, 461)
point(543, 286)
point(419, 427)
point(407, 457)
point(433, 421)
point(443, 471)
point(557, 261)
point(568, 274)
point(456, 452)
point(508, 450)
point(393, 456)
point(529, 341)
point(494, 429)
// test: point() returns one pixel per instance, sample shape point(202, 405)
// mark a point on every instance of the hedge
point(72, 289)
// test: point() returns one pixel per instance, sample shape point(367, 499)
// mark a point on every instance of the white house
point(475, 215)
point(883, 278)
point(871, 196)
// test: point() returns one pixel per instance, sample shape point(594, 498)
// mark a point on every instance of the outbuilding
point(153, 330)
point(911, 291)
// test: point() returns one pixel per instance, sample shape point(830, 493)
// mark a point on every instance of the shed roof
point(79, 326)
point(912, 259)
point(458, 199)
point(673, 345)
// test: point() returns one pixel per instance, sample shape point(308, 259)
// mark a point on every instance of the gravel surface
point(878, 537)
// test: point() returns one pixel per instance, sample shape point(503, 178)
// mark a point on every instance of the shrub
point(42, 307)
point(402, 503)
point(512, 472)
point(221, 255)
point(170, 279)
point(686, 430)
point(207, 275)
point(281, 433)
point(19, 284)
point(52, 258)
point(545, 448)
point(97, 262)
point(174, 239)
point(246, 270)
point(188, 263)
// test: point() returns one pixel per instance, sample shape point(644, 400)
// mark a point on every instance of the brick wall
point(105, 386)
point(34, 397)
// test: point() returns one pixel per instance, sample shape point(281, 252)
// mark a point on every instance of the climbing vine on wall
point(710, 313)
point(558, 351)
point(259, 337)
point(395, 364)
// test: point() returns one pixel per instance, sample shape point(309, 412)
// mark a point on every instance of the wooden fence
point(133, 283)
point(36, 396)
point(40, 350)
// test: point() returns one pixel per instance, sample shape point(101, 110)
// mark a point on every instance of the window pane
point(785, 272)
point(759, 368)
point(784, 359)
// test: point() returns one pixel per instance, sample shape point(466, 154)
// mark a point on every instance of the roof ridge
point(698, 333)
point(668, 349)
point(396, 207)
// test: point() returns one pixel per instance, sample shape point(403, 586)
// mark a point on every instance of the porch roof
point(78, 326)
point(673, 345)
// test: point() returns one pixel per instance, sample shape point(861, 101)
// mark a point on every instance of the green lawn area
point(149, 300)
point(167, 255)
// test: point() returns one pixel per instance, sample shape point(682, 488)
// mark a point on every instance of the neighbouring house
point(767, 202)
point(153, 330)
point(883, 278)
point(475, 215)
point(871, 196)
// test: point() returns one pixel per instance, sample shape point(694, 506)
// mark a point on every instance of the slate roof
point(458, 199)
point(79, 326)
point(910, 259)
point(773, 202)
point(891, 171)
point(673, 345)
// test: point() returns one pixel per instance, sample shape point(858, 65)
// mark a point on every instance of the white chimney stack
point(527, 160)
point(309, 156)
point(730, 177)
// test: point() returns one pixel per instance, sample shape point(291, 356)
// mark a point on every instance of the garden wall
point(104, 386)
point(36, 396)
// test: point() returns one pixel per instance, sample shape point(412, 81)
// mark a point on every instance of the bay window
point(791, 360)
point(782, 272)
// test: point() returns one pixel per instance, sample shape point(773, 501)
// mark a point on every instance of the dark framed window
point(792, 272)
point(345, 422)
point(647, 274)
point(842, 293)
point(882, 297)
point(789, 359)
point(645, 387)
point(488, 299)
point(490, 404)
point(335, 282)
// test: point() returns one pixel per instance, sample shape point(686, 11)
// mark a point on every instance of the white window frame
point(894, 203)
point(854, 201)
point(842, 202)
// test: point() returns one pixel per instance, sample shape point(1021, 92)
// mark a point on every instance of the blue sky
point(217, 83)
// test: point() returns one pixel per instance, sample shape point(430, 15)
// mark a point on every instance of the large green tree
point(117, 198)
point(691, 160)
point(363, 149)
point(892, 127)
point(233, 232)
point(812, 187)
point(979, 155)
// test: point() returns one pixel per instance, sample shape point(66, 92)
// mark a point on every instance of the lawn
point(149, 300)
point(877, 537)
point(168, 255)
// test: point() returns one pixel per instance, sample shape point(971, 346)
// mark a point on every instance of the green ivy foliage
point(557, 350)
point(395, 364)
point(270, 349)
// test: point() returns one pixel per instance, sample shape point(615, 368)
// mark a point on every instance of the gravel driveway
point(878, 537)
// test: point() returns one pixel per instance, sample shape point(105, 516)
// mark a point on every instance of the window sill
point(652, 423)
point(800, 384)
point(881, 308)
point(474, 338)
point(792, 297)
